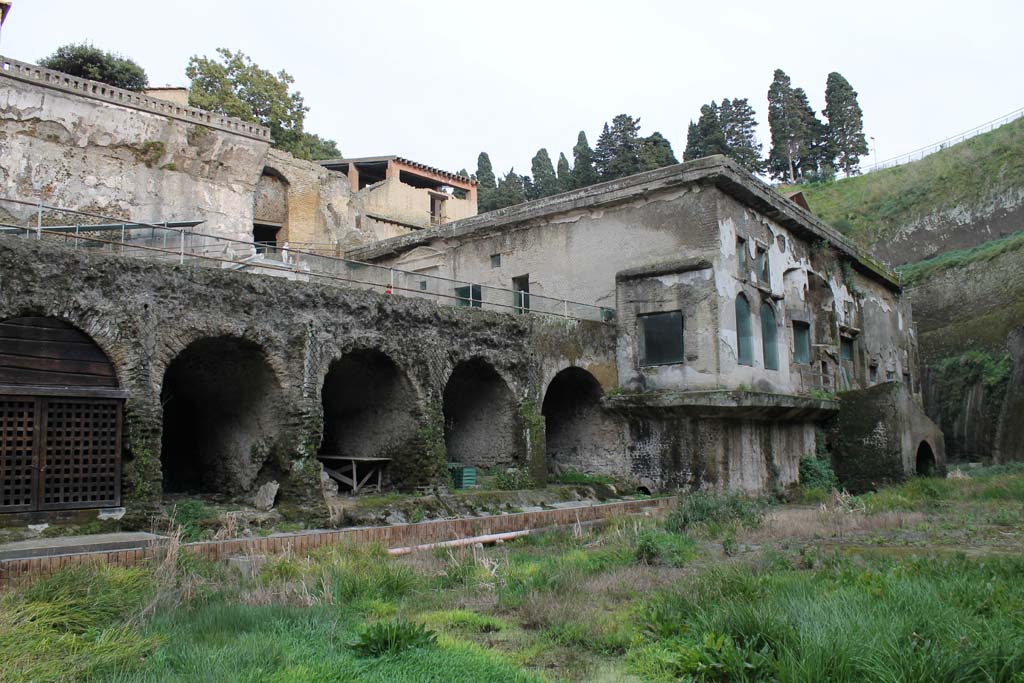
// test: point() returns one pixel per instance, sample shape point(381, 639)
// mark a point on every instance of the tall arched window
point(744, 332)
point(769, 337)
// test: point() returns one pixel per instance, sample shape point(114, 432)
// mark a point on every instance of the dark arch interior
point(577, 429)
point(925, 460)
point(369, 406)
point(479, 416)
point(222, 406)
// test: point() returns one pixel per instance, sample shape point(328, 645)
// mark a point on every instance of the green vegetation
point(920, 582)
point(873, 206)
point(914, 273)
point(85, 61)
point(816, 473)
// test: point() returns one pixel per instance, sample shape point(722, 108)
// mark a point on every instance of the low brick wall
point(16, 572)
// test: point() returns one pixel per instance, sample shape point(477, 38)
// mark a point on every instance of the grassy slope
point(873, 206)
point(916, 583)
point(914, 273)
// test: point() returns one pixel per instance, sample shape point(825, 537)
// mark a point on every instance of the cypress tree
point(797, 136)
point(583, 172)
point(846, 142)
point(694, 144)
point(529, 189)
point(545, 182)
point(565, 178)
point(486, 185)
point(510, 190)
point(739, 129)
point(617, 154)
point(656, 152)
point(709, 131)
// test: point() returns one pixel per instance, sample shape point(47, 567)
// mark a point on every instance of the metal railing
point(922, 152)
point(174, 242)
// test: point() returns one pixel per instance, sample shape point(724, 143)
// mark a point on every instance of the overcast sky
point(440, 81)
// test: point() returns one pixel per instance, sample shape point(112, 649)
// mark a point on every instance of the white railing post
point(181, 252)
point(565, 308)
point(76, 237)
point(39, 220)
point(122, 239)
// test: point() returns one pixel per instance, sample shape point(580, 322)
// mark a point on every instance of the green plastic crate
point(462, 477)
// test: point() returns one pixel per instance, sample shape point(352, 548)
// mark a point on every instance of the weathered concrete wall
point(877, 435)
point(391, 198)
point(965, 316)
point(83, 150)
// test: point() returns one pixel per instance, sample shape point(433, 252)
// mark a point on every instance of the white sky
point(440, 81)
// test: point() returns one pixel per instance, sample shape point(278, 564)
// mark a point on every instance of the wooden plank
point(82, 367)
point(37, 321)
point(42, 377)
point(338, 476)
point(68, 334)
point(53, 349)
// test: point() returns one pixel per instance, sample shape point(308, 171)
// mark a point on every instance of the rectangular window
point(470, 295)
point(661, 338)
point(495, 260)
point(741, 258)
point(521, 292)
point(873, 374)
point(890, 375)
point(846, 349)
point(801, 342)
point(906, 382)
point(763, 272)
point(423, 285)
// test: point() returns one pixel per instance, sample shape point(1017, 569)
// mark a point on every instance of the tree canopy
point(846, 142)
point(583, 172)
point(85, 61)
point(798, 136)
point(235, 86)
point(656, 152)
point(729, 129)
point(617, 154)
point(545, 182)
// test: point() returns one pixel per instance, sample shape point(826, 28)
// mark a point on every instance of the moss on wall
point(864, 439)
point(535, 445)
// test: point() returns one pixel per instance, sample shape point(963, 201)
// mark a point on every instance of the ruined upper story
point(717, 281)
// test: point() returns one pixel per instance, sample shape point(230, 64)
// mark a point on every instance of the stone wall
point(964, 317)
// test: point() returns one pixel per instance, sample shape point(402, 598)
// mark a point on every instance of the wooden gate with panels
point(61, 417)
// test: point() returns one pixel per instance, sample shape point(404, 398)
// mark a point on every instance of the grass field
point(872, 206)
point(919, 582)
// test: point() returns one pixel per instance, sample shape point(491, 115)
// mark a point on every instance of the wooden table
point(348, 471)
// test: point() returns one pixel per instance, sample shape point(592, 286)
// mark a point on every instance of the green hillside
point(872, 206)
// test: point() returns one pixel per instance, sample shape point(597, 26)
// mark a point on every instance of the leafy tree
point(798, 137)
point(510, 191)
point(656, 152)
point(545, 182)
point(485, 183)
point(85, 61)
point(583, 172)
point(846, 142)
point(617, 154)
point(565, 177)
point(739, 127)
point(694, 144)
point(529, 190)
point(235, 86)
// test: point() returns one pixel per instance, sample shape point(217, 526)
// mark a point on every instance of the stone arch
point(769, 337)
point(270, 210)
point(370, 406)
point(925, 461)
point(479, 416)
point(577, 429)
point(223, 406)
point(744, 331)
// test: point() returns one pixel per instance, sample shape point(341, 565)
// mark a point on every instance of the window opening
point(741, 257)
point(763, 272)
point(801, 342)
point(661, 338)
point(846, 348)
point(744, 333)
point(265, 238)
point(470, 295)
point(769, 337)
point(521, 292)
point(495, 260)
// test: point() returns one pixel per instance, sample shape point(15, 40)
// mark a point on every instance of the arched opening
point(575, 426)
point(222, 408)
point(769, 337)
point(369, 406)
point(744, 331)
point(270, 212)
point(479, 416)
point(61, 418)
point(925, 460)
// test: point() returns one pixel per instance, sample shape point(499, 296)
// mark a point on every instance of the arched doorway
point(925, 460)
point(222, 408)
point(577, 430)
point(479, 416)
point(370, 411)
point(60, 419)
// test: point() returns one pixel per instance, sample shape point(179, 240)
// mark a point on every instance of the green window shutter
point(769, 337)
point(801, 342)
point(744, 333)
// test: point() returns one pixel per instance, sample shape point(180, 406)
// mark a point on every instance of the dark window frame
point(769, 336)
point(496, 260)
point(801, 342)
point(763, 265)
point(643, 349)
point(744, 332)
point(741, 258)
